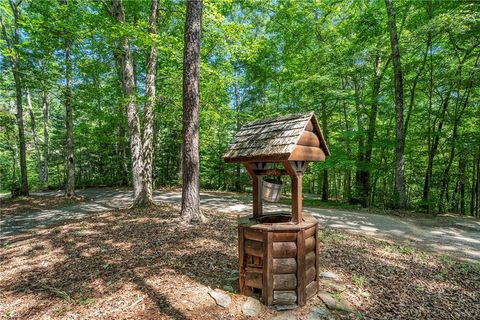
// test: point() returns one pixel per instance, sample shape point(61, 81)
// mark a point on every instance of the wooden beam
point(309, 139)
point(301, 277)
point(271, 172)
point(267, 290)
point(261, 158)
point(296, 191)
point(307, 154)
point(257, 188)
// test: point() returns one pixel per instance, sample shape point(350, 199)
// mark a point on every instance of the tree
point(130, 96)
point(149, 112)
point(68, 101)
point(13, 43)
point(191, 105)
point(399, 131)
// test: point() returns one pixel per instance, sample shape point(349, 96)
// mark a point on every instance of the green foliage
point(259, 59)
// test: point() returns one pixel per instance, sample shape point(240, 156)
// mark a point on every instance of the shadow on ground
point(139, 264)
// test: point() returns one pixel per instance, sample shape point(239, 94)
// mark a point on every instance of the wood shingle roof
point(275, 139)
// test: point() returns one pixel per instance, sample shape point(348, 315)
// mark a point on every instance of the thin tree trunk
point(191, 104)
point(12, 43)
point(34, 136)
point(461, 181)
point(364, 176)
point(129, 91)
point(478, 184)
point(45, 136)
point(348, 173)
point(149, 112)
point(472, 189)
point(399, 132)
point(325, 193)
point(433, 151)
point(70, 186)
point(360, 137)
point(238, 187)
point(458, 116)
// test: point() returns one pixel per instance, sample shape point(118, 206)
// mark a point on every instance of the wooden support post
point(295, 170)
point(257, 185)
point(241, 260)
point(267, 291)
point(301, 294)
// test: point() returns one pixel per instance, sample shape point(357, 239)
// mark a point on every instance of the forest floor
point(147, 264)
point(445, 234)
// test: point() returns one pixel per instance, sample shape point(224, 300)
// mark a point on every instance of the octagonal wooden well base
point(278, 259)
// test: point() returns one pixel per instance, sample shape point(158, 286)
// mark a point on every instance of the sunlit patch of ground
point(146, 264)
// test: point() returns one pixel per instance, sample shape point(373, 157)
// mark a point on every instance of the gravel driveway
point(445, 234)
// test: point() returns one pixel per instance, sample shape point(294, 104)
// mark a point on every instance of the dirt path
point(451, 235)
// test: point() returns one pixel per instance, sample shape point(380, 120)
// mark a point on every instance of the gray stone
point(251, 307)
point(318, 313)
point(335, 303)
point(334, 285)
point(329, 275)
point(222, 299)
point(283, 307)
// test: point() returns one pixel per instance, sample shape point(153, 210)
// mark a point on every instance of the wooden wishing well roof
point(291, 137)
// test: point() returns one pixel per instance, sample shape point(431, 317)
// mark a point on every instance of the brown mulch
point(32, 203)
point(147, 264)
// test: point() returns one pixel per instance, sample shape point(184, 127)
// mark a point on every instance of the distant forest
point(395, 86)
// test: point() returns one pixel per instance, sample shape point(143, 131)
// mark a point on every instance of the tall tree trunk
point(238, 187)
point(12, 43)
point(45, 136)
point(191, 104)
point(472, 189)
point(461, 183)
point(70, 186)
point(477, 209)
point(399, 132)
point(360, 137)
point(129, 91)
point(433, 151)
point(325, 194)
point(364, 175)
point(34, 136)
point(458, 117)
point(347, 194)
point(149, 112)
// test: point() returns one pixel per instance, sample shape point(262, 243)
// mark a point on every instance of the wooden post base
point(278, 260)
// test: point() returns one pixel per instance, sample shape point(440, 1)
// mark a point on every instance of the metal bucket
point(272, 190)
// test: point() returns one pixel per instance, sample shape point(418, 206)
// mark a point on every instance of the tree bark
point(129, 91)
point(149, 112)
point(433, 151)
point(461, 183)
point(325, 193)
point(347, 194)
point(364, 173)
point(70, 185)
point(34, 136)
point(12, 42)
point(360, 137)
point(191, 104)
point(238, 187)
point(456, 123)
point(477, 209)
point(399, 131)
point(472, 189)
point(45, 136)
